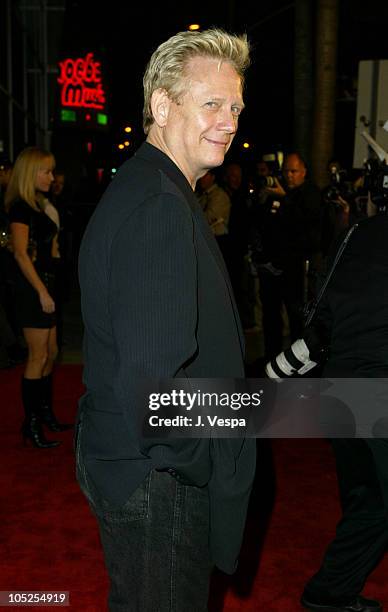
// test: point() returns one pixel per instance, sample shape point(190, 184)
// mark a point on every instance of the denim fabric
point(156, 545)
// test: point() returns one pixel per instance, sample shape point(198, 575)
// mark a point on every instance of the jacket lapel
point(166, 165)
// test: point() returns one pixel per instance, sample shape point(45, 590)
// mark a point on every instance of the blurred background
point(298, 48)
point(71, 82)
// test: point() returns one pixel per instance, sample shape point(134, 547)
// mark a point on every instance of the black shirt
point(41, 232)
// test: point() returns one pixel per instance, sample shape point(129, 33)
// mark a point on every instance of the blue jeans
point(156, 546)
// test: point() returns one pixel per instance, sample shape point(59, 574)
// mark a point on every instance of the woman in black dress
point(34, 242)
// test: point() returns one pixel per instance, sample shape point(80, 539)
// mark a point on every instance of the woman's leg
point(52, 351)
point(48, 417)
point(37, 343)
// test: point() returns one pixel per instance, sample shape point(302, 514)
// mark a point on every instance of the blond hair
point(24, 174)
point(166, 68)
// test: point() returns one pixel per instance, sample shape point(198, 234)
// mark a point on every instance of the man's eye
point(211, 104)
point(236, 110)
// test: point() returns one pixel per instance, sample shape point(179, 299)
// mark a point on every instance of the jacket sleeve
point(153, 297)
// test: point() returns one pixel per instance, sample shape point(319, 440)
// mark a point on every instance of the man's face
point(201, 126)
point(262, 168)
point(58, 184)
point(294, 171)
point(233, 177)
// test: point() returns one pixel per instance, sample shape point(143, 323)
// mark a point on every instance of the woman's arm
point(20, 235)
point(55, 253)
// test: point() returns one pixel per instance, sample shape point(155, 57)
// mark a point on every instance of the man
point(157, 303)
point(339, 208)
point(289, 227)
point(350, 327)
point(239, 268)
point(215, 203)
point(216, 206)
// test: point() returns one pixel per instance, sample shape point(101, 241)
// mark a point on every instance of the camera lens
point(270, 181)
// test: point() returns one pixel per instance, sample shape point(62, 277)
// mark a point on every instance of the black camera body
point(376, 183)
point(266, 181)
point(274, 162)
point(337, 188)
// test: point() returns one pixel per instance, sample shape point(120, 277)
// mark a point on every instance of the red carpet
point(49, 540)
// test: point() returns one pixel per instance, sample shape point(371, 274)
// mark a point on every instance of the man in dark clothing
point(157, 304)
point(288, 223)
point(351, 322)
point(238, 266)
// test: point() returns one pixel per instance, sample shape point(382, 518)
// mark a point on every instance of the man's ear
point(160, 106)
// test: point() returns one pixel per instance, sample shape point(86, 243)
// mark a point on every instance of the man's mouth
point(217, 142)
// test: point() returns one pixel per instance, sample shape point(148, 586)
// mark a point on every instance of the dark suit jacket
point(157, 303)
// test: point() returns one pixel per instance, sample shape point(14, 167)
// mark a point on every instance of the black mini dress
point(42, 231)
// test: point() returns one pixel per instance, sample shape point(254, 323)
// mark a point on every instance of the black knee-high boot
point(47, 415)
point(32, 427)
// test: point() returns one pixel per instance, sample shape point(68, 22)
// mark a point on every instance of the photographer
point(339, 206)
point(216, 205)
point(287, 233)
point(351, 321)
point(263, 177)
point(239, 271)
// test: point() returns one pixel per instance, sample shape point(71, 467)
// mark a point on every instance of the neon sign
point(81, 83)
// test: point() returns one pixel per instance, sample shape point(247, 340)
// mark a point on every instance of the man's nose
point(228, 121)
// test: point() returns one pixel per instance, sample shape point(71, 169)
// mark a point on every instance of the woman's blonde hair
point(166, 68)
point(24, 174)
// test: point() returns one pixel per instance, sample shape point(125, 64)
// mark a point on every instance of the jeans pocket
point(136, 508)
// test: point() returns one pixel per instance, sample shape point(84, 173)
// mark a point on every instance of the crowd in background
point(274, 228)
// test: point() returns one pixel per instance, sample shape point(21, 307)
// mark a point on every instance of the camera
point(268, 170)
point(266, 181)
point(301, 357)
point(376, 182)
point(338, 186)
